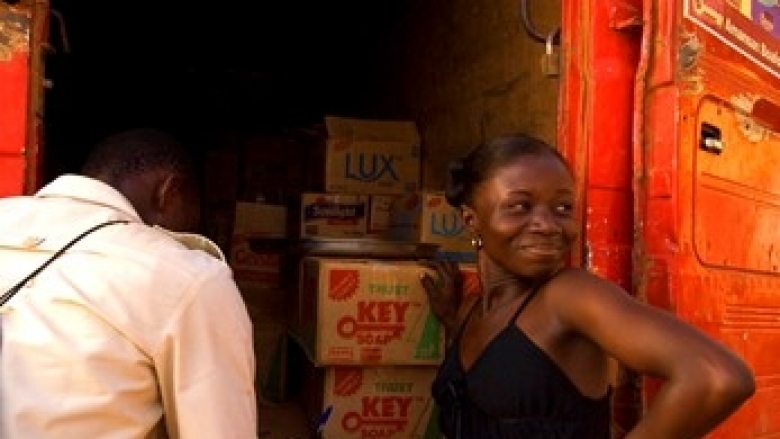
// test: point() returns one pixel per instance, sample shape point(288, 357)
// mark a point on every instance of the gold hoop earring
point(476, 242)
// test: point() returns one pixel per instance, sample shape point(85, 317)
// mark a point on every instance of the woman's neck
point(500, 286)
point(496, 296)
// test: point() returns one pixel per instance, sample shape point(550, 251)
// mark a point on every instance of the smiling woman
point(534, 360)
point(522, 214)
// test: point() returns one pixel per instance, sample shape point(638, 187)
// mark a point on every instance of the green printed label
point(429, 346)
point(432, 431)
point(390, 289)
point(394, 387)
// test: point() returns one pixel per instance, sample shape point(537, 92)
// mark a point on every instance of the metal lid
point(365, 248)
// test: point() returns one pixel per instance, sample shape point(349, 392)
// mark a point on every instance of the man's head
point(154, 171)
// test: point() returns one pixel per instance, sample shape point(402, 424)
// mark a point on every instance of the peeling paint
point(14, 32)
point(688, 59)
point(625, 15)
point(690, 51)
point(743, 107)
point(588, 257)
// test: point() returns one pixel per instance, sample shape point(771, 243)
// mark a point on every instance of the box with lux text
point(427, 217)
point(371, 156)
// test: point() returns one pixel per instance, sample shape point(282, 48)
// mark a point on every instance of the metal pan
point(364, 248)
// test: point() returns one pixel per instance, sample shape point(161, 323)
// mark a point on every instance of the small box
point(333, 215)
point(427, 217)
point(471, 283)
point(258, 220)
point(254, 270)
point(379, 216)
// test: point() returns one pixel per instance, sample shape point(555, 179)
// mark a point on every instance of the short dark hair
point(466, 173)
point(136, 151)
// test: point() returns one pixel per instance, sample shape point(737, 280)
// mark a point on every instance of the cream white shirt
point(131, 334)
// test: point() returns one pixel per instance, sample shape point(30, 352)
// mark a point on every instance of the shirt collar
point(89, 190)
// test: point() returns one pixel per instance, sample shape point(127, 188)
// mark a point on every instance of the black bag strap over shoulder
point(16, 288)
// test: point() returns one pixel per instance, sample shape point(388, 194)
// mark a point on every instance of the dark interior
point(208, 71)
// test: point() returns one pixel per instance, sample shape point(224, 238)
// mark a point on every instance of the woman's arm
point(704, 381)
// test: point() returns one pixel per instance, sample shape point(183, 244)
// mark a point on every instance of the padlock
point(551, 60)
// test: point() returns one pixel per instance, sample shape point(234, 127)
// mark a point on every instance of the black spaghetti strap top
point(514, 390)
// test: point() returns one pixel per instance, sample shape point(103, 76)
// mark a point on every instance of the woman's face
point(524, 214)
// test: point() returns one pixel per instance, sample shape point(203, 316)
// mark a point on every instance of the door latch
point(551, 60)
point(711, 139)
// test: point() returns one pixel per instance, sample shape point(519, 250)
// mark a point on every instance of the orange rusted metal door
point(22, 31)
point(601, 44)
point(707, 173)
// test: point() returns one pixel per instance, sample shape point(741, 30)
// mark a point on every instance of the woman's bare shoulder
point(577, 289)
point(582, 280)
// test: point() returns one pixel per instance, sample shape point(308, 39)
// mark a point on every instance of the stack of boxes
point(233, 222)
point(372, 343)
point(258, 272)
point(373, 346)
point(371, 190)
point(366, 163)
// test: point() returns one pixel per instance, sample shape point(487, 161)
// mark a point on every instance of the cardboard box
point(371, 156)
point(373, 402)
point(258, 220)
point(366, 312)
point(471, 282)
point(333, 215)
point(379, 216)
point(253, 270)
point(427, 217)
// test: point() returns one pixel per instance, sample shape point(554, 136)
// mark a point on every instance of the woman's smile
point(542, 250)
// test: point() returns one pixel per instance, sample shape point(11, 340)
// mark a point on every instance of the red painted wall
point(14, 103)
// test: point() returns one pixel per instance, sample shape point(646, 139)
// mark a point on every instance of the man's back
point(129, 325)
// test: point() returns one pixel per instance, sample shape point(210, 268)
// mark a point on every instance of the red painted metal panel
point(707, 247)
point(39, 37)
point(14, 87)
point(601, 42)
point(655, 163)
